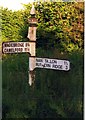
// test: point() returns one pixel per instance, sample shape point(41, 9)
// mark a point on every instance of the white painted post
point(31, 70)
point(32, 38)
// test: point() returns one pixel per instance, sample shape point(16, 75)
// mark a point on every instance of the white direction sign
point(19, 47)
point(52, 64)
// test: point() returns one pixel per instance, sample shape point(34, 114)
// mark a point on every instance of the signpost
point(32, 37)
point(29, 47)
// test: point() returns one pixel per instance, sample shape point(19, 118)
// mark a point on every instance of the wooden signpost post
point(30, 47)
point(32, 37)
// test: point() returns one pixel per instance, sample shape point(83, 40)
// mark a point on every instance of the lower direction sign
point(18, 47)
point(52, 64)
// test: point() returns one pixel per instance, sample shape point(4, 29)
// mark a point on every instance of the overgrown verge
point(55, 94)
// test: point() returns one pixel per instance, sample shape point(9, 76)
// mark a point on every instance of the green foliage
point(55, 94)
point(12, 23)
point(60, 25)
point(64, 89)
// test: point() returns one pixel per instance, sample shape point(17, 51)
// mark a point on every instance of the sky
point(14, 4)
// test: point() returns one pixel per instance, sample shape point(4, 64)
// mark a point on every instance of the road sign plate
point(18, 47)
point(52, 64)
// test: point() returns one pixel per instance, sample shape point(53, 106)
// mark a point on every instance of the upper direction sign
point(15, 47)
point(18, 47)
point(52, 64)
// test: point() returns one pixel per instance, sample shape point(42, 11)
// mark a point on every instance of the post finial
point(32, 12)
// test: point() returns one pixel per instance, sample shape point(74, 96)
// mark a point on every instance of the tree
point(60, 25)
point(12, 23)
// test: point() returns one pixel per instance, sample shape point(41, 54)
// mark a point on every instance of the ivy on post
point(32, 38)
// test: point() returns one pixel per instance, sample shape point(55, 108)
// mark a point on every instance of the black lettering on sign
point(26, 49)
point(66, 67)
point(20, 44)
point(8, 50)
point(27, 45)
point(18, 49)
point(52, 61)
point(65, 63)
point(39, 60)
point(11, 50)
point(46, 60)
point(57, 66)
point(13, 45)
point(38, 64)
point(5, 50)
point(7, 45)
point(46, 65)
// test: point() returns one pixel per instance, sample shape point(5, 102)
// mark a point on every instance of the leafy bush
point(60, 25)
point(57, 94)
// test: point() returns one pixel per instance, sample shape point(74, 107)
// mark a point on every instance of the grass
point(55, 93)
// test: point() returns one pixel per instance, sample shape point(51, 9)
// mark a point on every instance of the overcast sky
point(14, 4)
